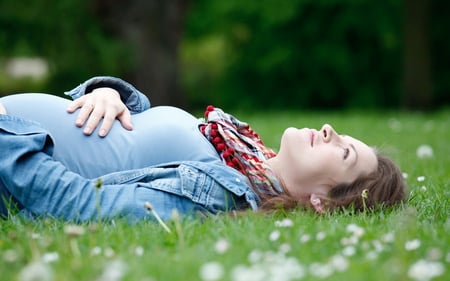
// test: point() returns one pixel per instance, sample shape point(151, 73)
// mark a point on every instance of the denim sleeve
point(133, 98)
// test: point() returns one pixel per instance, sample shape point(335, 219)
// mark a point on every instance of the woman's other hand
point(101, 103)
point(2, 109)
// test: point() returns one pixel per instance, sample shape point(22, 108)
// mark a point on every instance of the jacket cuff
point(134, 100)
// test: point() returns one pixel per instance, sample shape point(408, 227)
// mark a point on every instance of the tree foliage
point(66, 34)
point(302, 53)
point(310, 54)
point(267, 53)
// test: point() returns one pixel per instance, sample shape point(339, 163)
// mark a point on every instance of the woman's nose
point(328, 133)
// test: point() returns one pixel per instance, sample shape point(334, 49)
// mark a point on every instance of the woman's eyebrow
point(354, 150)
point(356, 153)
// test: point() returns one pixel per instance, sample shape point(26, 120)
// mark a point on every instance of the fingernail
point(102, 132)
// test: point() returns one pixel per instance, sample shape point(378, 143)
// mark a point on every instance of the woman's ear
point(317, 203)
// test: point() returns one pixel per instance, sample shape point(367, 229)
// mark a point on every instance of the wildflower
point(339, 263)
point(364, 196)
point(243, 273)
point(287, 268)
point(36, 271)
point(274, 235)
point(321, 270)
point(412, 245)
point(269, 266)
point(284, 223)
point(109, 252)
point(388, 237)
point(96, 251)
point(285, 248)
point(305, 238)
point(355, 230)
point(139, 251)
point(378, 246)
point(211, 271)
point(371, 255)
point(405, 176)
point(50, 257)
point(353, 240)
point(320, 236)
point(74, 230)
point(222, 246)
point(349, 251)
point(255, 256)
point(424, 151)
point(113, 271)
point(423, 270)
point(149, 207)
point(98, 183)
point(420, 178)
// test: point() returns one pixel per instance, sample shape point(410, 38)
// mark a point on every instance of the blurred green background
point(321, 54)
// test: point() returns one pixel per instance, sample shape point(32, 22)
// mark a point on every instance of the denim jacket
point(42, 186)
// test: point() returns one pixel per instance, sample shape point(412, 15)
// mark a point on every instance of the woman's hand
point(100, 103)
point(2, 109)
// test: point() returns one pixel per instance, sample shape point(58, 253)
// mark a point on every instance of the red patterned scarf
point(241, 148)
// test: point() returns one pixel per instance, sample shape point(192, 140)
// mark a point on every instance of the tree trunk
point(153, 29)
point(417, 63)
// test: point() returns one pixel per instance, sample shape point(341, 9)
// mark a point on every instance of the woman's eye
point(346, 153)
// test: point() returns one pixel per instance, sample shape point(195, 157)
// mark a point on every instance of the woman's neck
point(279, 170)
point(296, 184)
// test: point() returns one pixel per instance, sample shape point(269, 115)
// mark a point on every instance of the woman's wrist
point(2, 109)
point(107, 90)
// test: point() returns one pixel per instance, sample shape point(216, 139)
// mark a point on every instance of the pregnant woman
point(173, 160)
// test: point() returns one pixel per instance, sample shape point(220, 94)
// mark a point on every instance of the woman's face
point(315, 161)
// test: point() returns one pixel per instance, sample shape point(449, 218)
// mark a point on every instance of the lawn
point(408, 243)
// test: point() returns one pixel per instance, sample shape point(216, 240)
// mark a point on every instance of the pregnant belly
point(161, 134)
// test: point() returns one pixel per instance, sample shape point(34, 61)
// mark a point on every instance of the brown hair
point(384, 187)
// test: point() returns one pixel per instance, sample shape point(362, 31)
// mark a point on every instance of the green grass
point(386, 245)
